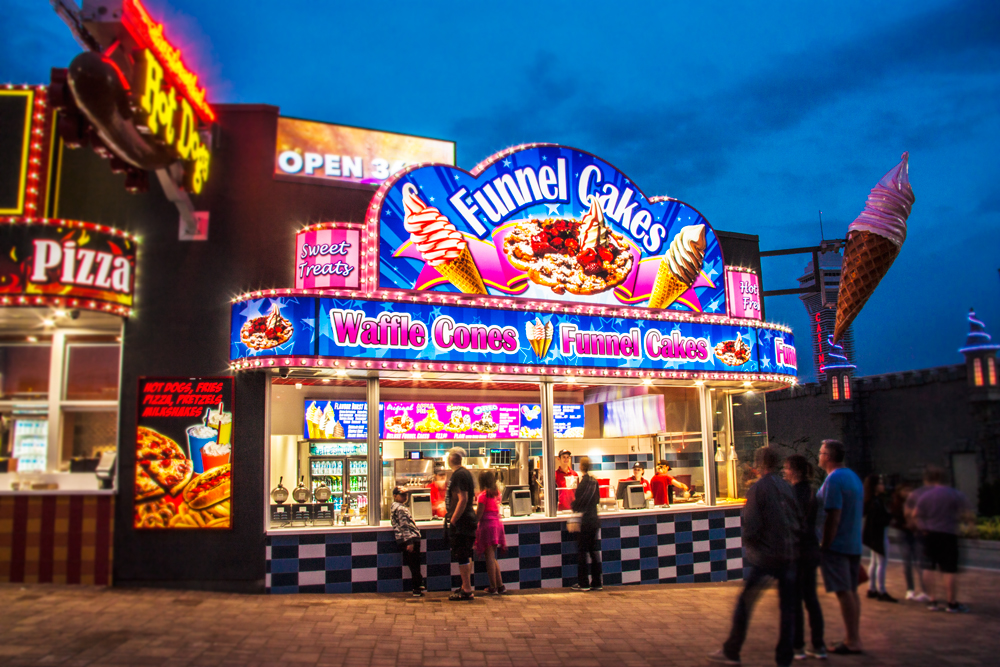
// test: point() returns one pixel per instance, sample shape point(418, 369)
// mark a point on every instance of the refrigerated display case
point(30, 444)
point(343, 467)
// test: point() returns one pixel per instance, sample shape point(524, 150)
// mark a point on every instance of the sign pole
point(548, 447)
point(374, 455)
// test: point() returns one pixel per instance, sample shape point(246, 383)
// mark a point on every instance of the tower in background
point(822, 309)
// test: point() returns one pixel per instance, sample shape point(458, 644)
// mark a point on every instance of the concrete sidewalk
point(631, 626)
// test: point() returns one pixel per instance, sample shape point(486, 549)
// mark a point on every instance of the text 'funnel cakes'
point(680, 267)
point(440, 243)
point(874, 240)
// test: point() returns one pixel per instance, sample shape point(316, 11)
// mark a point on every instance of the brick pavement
point(622, 626)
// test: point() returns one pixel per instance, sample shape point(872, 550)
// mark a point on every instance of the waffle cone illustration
point(539, 336)
point(867, 258)
point(463, 274)
point(679, 267)
point(874, 240)
point(440, 243)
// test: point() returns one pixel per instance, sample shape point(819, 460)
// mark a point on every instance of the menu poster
point(183, 447)
point(567, 418)
point(336, 420)
point(448, 421)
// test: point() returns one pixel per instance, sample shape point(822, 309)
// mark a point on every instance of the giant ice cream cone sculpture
point(680, 267)
point(440, 243)
point(874, 240)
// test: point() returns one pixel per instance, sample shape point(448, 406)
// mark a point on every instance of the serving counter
point(683, 544)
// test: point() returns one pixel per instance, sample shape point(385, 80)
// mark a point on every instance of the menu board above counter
point(448, 421)
point(348, 420)
point(336, 420)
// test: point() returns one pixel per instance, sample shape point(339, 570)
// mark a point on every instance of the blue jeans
point(757, 577)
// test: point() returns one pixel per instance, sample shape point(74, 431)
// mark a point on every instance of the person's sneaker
point(932, 605)
point(417, 593)
point(957, 608)
point(596, 588)
point(800, 654)
point(921, 597)
point(872, 594)
point(721, 657)
point(885, 597)
point(818, 653)
point(577, 588)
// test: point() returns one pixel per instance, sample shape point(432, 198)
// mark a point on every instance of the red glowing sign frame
point(149, 34)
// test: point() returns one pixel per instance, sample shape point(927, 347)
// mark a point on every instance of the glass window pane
point(88, 434)
point(92, 372)
point(25, 370)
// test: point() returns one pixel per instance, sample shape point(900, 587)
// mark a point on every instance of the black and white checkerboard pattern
point(699, 546)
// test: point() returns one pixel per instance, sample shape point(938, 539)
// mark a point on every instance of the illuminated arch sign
point(542, 222)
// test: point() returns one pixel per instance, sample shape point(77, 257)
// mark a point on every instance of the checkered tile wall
point(698, 546)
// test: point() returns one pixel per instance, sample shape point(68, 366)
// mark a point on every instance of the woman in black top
point(798, 472)
point(875, 537)
point(585, 502)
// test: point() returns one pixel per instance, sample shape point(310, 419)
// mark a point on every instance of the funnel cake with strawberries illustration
point(266, 331)
point(680, 267)
point(440, 243)
point(576, 256)
point(874, 240)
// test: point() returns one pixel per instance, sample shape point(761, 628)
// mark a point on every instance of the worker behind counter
point(438, 487)
point(566, 480)
point(663, 485)
point(637, 477)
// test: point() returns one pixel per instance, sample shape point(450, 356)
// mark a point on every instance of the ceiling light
point(48, 323)
point(298, 385)
point(59, 313)
point(32, 339)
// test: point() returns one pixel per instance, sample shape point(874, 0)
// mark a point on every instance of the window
point(991, 365)
point(977, 372)
point(835, 388)
point(847, 388)
point(92, 372)
point(25, 371)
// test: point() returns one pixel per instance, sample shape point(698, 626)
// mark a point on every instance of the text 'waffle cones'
point(463, 274)
point(867, 258)
point(666, 288)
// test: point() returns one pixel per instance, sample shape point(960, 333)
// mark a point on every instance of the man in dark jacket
point(771, 524)
point(585, 502)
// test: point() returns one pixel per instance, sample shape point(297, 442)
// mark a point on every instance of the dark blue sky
point(757, 114)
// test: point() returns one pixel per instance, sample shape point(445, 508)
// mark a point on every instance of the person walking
point(489, 533)
point(911, 541)
point(841, 498)
point(939, 512)
point(771, 524)
point(460, 521)
point(407, 538)
point(588, 545)
point(798, 473)
point(875, 536)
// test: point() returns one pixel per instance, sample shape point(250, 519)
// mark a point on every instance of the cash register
point(631, 493)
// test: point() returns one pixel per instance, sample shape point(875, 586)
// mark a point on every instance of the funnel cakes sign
point(543, 222)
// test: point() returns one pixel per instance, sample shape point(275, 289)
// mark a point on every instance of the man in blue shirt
point(841, 498)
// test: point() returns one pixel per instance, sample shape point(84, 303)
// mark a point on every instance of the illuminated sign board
point(567, 420)
point(373, 333)
point(776, 350)
point(448, 421)
point(183, 453)
point(337, 153)
point(543, 222)
point(743, 294)
point(328, 255)
point(66, 263)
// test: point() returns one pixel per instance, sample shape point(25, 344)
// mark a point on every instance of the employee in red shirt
point(637, 476)
point(661, 483)
point(566, 480)
point(438, 486)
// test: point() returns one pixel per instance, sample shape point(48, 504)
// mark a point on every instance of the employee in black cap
point(637, 477)
point(566, 480)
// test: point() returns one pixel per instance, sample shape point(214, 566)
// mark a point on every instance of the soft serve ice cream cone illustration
point(539, 336)
point(874, 240)
point(313, 415)
point(440, 243)
point(329, 421)
point(680, 267)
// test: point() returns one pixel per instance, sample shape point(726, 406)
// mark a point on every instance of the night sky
point(757, 114)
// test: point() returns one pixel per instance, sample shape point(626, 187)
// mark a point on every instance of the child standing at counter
point(407, 538)
point(489, 534)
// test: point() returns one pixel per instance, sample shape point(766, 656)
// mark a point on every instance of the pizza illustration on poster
point(183, 453)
